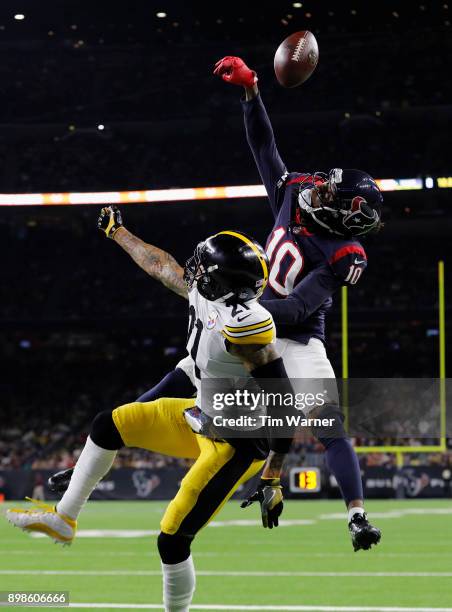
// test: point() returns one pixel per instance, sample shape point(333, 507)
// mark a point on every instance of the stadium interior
point(119, 98)
point(111, 103)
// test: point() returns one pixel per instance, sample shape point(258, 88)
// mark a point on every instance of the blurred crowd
point(58, 446)
point(125, 103)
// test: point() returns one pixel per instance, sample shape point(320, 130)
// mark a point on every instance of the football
point(296, 58)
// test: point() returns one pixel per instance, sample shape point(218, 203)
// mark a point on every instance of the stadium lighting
point(101, 126)
point(183, 194)
point(161, 15)
point(19, 16)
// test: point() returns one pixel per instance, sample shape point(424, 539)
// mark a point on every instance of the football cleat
point(59, 482)
point(44, 519)
point(363, 533)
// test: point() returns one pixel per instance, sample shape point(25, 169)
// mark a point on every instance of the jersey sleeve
point(253, 326)
point(259, 133)
point(348, 263)
point(318, 286)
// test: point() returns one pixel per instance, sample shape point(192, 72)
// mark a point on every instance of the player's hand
point(234, 70)
point(110, 220)
point(269, 495)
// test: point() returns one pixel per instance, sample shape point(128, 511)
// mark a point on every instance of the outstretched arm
point(261, 139)
point(157, 263)
point(259, 130)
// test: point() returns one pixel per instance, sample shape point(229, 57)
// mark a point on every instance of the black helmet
point(355, 209)
point(228, 265)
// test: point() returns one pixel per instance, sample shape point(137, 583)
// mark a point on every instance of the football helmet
point(227, 265)
point(350, 206)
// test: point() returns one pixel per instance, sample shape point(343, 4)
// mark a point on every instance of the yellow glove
point(269, 495)
point(109, 220)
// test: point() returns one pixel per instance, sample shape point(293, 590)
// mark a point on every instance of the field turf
point(306, 564)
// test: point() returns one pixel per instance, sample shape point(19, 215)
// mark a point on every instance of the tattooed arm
point(157, 263)
point(273, 465)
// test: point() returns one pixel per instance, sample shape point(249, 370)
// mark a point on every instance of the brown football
point(296, 58)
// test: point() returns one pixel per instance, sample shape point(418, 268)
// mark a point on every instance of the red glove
point(234, 70)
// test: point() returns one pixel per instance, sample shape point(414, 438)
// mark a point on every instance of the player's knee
point(331, 425)
point(173, 548)
point(104, 432)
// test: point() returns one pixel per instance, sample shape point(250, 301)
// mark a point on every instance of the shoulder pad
point(349, 262)
point(249, 323)
point(297, 177)
point(290, 178)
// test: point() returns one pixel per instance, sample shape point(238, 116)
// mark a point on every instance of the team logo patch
point(356, 203)
point(361, 217)
point(211, 320)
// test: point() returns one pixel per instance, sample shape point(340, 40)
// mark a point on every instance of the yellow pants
point(218, 471)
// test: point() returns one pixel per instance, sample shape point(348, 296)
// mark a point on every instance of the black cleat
point(59, 482)
point(363, 533)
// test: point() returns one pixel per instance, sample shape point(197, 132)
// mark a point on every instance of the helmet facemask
point(196, 273)
point(337, 213)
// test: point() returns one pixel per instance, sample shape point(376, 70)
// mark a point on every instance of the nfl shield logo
point(212, 319)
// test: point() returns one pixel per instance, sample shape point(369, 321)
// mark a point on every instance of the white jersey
point(211, 326)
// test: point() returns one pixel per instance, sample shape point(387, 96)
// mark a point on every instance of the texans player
point(230, 336)
point(312, 251)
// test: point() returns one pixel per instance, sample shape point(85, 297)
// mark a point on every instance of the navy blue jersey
point(305, 268)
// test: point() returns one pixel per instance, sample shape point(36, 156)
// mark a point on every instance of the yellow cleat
point(44, 519)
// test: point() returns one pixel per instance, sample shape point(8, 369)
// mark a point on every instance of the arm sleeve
point(348, 263)
point(306, 298)
point(259, 133)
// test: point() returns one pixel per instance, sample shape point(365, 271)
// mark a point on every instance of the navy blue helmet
point(351, 206)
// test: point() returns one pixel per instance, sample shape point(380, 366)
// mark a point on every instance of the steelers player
point(230, 335)
point(314, 248)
